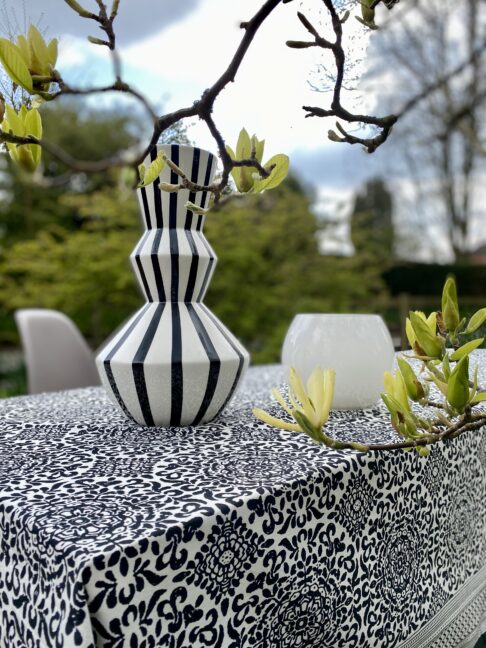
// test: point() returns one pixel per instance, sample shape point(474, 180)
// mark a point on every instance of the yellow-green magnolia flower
point(422, 334)
point(25, 122)
point(309, 408)
point(30, 61)
point(247, 179)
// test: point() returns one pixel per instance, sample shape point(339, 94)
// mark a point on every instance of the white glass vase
point(358, 347)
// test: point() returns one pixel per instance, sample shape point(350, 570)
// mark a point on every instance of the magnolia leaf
point(15, 122)
point(25, 159)
point(458, 385)
point(153, 172)
point(41, 57)
point(258, 146)
point(33, 126)
point(52, 51)
point(278, 174)
point(466, 349)
point(243, 146)
point(23, 46)
point(12, 60)
point(429, 342)
point(476, 321)
point(195, 209)
point(33, 123)
point(235, 171)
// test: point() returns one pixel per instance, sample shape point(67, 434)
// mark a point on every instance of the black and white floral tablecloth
point(232, 534)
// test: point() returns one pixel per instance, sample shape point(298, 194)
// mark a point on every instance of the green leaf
point(466, 349)
point(23, 46)
point(479, 398)
point(12, 60)
point(33, 126)
point(278, 174)
point(259, 147)
point(141, 172)
point(195, 209)
point(153, 172)
point(33, 123)
point(458, 385)
point(15, 122)
point(243, 146)
point(413, 385)
point(235, 171)
point(476, 320)
point(41, 57)
point(52, 51)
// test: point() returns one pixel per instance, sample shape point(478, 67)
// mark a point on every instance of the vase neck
point(161, 209)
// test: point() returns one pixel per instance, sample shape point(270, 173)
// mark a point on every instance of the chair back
point(56, 354)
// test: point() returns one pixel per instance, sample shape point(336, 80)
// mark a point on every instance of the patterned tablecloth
point(232, 534)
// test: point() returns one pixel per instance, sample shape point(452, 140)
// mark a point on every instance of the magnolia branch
point(203, 107)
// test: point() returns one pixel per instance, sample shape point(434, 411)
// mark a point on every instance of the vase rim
point(186, 147)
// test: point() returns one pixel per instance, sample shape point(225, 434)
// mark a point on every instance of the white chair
point(56, 354)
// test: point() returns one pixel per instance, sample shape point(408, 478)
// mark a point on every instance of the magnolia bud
point(458, 385)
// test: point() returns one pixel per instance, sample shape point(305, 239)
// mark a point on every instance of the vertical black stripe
point(235, 349)
point(177, 383)
point(109, 357)
point(140, 266)
point(214, 363)
point(174, 245)
point(157, 194)
point(146, 208)
point(137, 365)
point(207, 178)
point(156, 265)
point(191, 281)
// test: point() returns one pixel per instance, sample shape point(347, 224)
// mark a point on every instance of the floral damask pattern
point(228, 535)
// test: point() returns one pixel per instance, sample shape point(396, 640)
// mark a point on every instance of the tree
point(26, 207)
point(268, 248)
point(372, 221)
point(440, 144)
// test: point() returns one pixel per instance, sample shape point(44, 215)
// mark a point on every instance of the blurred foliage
point(67, 248)
point(270, 269)
point(371, 221)
point(26, 208)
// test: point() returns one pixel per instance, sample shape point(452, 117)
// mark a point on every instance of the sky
point(173, 50)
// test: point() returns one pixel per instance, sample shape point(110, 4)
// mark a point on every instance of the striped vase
point(173, 363)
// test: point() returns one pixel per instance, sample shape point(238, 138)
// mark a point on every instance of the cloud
point(136, 19)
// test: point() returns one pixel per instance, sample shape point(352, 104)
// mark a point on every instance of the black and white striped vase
point(173, 363)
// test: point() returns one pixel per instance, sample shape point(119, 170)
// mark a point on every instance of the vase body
point(173, 363)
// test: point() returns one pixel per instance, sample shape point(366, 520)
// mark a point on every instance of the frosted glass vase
point(358, 347)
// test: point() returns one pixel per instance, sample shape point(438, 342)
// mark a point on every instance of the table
point(232, 534)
